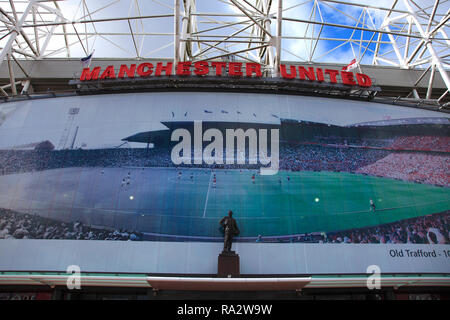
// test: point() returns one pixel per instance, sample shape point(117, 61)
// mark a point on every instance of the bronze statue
point(230, 229)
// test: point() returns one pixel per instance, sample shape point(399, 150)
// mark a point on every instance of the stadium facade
point(358, 207)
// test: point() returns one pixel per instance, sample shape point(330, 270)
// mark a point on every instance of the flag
point(86, 61)
point(352, 65)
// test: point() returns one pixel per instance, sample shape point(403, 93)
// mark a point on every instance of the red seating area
point(417, 167)
point(422, 143)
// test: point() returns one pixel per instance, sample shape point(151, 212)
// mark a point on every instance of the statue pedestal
point(228, 265)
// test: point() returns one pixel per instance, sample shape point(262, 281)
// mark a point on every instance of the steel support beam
point(176, 54)
point(279, 35)
point(428, 42)
point(12, 79)
point(7, 48)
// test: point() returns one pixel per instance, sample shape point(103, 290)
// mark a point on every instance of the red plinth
point(228, 265)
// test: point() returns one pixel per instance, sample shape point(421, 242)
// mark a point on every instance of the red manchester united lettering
point(219, 68)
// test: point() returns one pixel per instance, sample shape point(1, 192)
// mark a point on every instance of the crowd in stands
point(316, 158)
point(411, 143)
point(292, 157)
point(431, 229)
point(14, 225)
point(422, 143)
point(13, 161)
point(417, 167)
point(332, 154)
point(353, 141)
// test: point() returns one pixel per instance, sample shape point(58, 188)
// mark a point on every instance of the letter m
point(241, 136)
point(87, 74)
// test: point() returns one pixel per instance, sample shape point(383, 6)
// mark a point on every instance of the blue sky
point(161, 46)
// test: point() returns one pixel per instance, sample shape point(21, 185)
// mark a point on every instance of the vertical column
point(176, 56)
point(185, 30)
point(12, 80)
point(279, 33)
point(430, 84)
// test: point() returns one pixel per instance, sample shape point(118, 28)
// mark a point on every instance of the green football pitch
point(287, 203)
point(163, 201)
